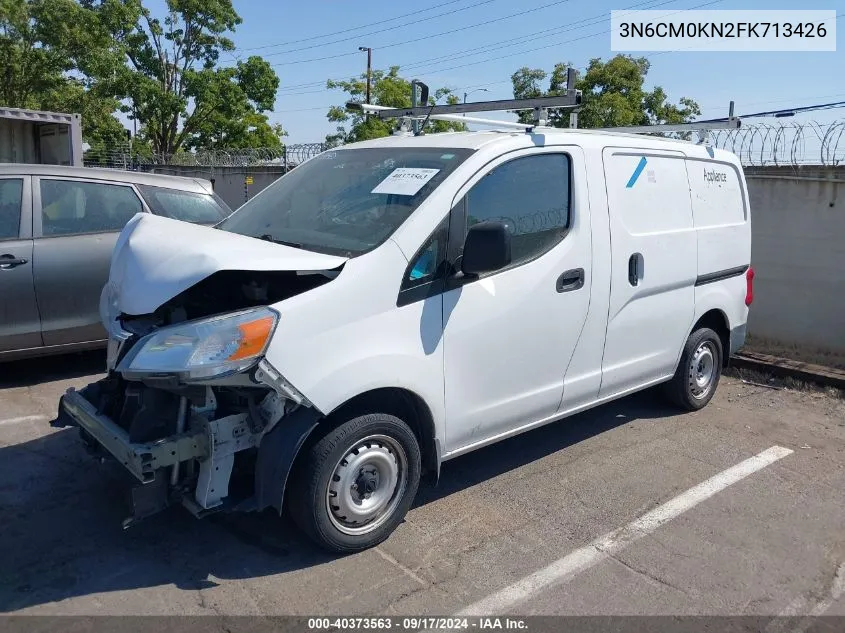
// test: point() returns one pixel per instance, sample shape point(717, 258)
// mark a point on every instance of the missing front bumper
point(140, 459)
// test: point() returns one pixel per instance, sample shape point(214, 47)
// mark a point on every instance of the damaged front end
point(190, 401)
point(185, 408)
point(183, 444)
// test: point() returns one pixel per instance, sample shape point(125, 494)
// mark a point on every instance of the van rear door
point(653, 260)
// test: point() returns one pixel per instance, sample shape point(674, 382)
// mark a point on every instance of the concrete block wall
point(229, 182)
point(798, 254)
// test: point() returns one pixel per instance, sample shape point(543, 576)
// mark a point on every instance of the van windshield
point(345, 202)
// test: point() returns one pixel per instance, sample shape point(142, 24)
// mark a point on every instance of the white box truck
point(38, 137)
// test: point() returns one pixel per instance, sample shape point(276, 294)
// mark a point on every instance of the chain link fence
point(126, 157)
point(757, 145)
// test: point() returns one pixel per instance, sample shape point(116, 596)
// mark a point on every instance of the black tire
point(314, 479)
point(685, 389)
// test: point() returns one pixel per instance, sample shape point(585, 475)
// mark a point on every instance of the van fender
point(721, 299)
point(277, 453)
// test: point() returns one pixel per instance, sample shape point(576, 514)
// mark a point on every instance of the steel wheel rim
point(702, 370)
point(367, 485)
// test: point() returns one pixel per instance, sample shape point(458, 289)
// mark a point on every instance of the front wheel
point(698, 372)
point(353, 487)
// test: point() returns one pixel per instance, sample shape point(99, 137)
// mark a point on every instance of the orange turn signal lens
point(254, 335)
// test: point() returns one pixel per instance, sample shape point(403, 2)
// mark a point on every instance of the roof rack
point(702, 127)
point(410, 119)
point(731, 123)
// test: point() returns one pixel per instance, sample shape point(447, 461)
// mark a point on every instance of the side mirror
point(487, 248)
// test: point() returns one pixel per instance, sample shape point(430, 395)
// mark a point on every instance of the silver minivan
point(58, 227)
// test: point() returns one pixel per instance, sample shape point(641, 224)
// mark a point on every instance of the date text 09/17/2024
point(416, 623)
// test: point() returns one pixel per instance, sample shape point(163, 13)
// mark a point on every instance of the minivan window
point(531, 196)
point(69, 207)
point(348, 201)
point(188, 206)
point(11, 190)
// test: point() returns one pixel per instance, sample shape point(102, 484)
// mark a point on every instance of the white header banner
point(722, 30)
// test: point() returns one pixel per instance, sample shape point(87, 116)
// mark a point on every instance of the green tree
point(388, 88)
point(49, 52)
point(613, 95)
point(171, 81)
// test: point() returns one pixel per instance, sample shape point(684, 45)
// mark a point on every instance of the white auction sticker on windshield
point(405, 181)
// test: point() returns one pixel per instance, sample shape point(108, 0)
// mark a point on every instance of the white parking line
point(564, 569)
point(25, 418)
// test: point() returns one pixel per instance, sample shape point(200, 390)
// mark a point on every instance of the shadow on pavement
point(61, 515)
point(502, 457)
point(34, 371)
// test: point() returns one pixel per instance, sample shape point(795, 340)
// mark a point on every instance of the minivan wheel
point(355, 484)
point(698, 372)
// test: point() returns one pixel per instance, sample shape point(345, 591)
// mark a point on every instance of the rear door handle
point(10, 261)
point(571, 280)
point(635, 265)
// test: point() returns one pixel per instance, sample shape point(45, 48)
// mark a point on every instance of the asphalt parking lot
point(628, 509)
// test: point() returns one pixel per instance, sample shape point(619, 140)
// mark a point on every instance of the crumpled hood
point(155, 258)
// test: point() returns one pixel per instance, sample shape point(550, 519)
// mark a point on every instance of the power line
point(482, 49)
point(496, 58)
point(464, 28)
point(797, 110)
point(428, 37)
point(722, 107)
point(354, 28)
point(786, 111)
point(391, 28)
point(591, 21)
point(552, 45)
point(326, 107)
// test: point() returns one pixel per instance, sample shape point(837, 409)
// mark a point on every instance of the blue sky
point(572, 30)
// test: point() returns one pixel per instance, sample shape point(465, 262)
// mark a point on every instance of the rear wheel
point(698, 372)
point(353, 487)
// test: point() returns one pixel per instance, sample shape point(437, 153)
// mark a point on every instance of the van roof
point(198, 185)
point(477, 140)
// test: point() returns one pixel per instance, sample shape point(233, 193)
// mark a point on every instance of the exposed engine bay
point(221, 428)
point(193, 442)
point(227, 291)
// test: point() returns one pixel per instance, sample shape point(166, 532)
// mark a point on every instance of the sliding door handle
point(635, 268)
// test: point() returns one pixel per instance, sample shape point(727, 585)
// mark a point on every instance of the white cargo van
point(396, 303)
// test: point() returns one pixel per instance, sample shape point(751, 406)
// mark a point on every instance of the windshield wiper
point(269, 238)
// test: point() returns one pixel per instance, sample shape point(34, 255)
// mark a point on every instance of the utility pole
point(571, 78)
point(369, 52)
point(369, 73)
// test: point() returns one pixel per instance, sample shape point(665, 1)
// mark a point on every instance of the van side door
point(653, 266)
point(77, 222)
point(509, 335)
point(20, 325)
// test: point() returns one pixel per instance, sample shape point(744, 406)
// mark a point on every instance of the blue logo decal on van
point(637, 172)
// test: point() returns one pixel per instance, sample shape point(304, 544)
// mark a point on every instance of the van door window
point(11, 191)
point(531, 196)
point(71, 207)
